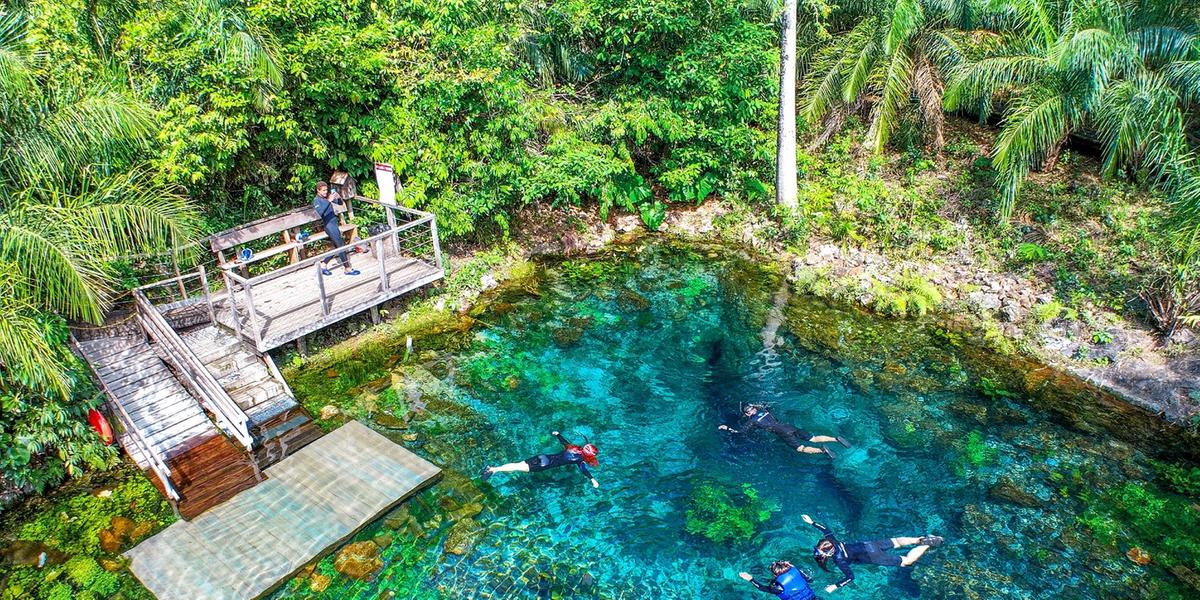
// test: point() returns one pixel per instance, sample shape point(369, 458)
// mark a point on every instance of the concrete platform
point(311, 502)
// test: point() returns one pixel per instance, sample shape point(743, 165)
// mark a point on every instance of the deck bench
point(287, 226)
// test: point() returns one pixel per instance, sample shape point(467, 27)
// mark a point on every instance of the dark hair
point(780, 567)
point(321, 184)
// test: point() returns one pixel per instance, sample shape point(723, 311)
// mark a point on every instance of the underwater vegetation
point(723, 517)
point(76, 536)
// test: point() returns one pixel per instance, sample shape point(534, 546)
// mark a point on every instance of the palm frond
point(928, 89)
point(63, 277)
point(907, 19)
point(1035, 125)
point(1185, 77)
point(24, 351)
point(103, 126)
point(982, 79)
point(897, 82)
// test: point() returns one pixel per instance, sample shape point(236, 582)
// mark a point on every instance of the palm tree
point(1119, 71)
point(786, 184)
point(72, 198)
point(888, 53)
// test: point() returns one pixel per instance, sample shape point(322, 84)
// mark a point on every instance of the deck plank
point(311, 502)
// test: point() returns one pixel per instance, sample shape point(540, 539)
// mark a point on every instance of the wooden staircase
point(165, 430)
point(278, 423)
point(201, 411)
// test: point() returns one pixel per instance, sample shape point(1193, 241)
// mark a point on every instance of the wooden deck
point(288, 306)
point(312, 501)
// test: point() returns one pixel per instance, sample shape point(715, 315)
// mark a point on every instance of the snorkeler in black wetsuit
point(581, 456)
point(795, 437)
point(867, 553)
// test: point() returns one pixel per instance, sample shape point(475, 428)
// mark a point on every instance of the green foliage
point(1101, 336)
point(912, 294)
point(726, 517)
point(1048, 311)
point(1033, 253)
point(70, 521)
point(994, 389)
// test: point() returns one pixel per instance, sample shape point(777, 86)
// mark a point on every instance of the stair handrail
point(132, 432)
point(212, 393)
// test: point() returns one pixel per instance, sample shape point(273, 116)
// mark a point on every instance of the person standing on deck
point(324, 203)
point(580, 456)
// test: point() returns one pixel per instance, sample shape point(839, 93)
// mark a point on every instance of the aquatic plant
point(994, 389)
point(976, 452)
point(722, 517)
point(1181, 479)
point(1048, 311)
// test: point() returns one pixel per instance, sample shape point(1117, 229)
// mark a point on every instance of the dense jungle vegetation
point(134, 126)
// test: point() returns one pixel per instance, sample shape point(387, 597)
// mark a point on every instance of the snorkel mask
point(823, 551)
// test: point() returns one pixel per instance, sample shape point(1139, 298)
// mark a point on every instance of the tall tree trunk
point(785, 166)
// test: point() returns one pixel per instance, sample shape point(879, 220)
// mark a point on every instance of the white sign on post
point(387, 183)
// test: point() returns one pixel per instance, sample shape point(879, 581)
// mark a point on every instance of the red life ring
point(100, 426)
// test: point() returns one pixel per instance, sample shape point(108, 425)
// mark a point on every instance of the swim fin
point(841, 440)
point(486, 473)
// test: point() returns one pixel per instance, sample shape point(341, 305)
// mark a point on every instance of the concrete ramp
point(311, 502)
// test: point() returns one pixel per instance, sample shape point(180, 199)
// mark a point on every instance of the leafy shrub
point(911, 295)
point(1047, 311)
point(1101, 336)
point(1030, 252)
point(724, 517)
point(1182, 479)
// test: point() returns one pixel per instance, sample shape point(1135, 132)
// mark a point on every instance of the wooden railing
point(177, 353)
point(133, 434)
point(411, 235)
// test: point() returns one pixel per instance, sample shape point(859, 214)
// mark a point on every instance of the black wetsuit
point(874, 552)
point(542, 462)
point(794, 436)
point(329, 220)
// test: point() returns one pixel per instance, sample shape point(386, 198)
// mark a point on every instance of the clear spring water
point(645, 352)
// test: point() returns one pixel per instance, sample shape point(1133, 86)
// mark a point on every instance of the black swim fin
point(486, 473)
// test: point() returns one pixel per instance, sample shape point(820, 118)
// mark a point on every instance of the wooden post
point(321, 289)
point(437, 246)
point(178, 275)
point(233, 309)
point(252, 317)
point(391, 221)
point(212, 314)
point(375, 316)
point(383, 274)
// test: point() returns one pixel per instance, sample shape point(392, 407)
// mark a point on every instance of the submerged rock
point(329, 411)
point(1138, 556)
point(462, 537)
point(1007, 490)
point(319, 582)
point(567, 336)
point(359, 560)
point(630, 300)
point(32, 553)
point(388, 421)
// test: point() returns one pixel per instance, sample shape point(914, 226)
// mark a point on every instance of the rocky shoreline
point(1095, 344)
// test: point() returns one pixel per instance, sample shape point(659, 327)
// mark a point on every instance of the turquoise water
point(647, 350)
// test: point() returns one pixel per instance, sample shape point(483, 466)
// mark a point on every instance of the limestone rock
point(329, 411)
point(359, 560)
point(388, 421)
point(1007, 490)
point(319, 582)
point(28, 552)
point(462, 537)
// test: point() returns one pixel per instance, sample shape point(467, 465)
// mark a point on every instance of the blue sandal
point(326, 272)
point(354, 272)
